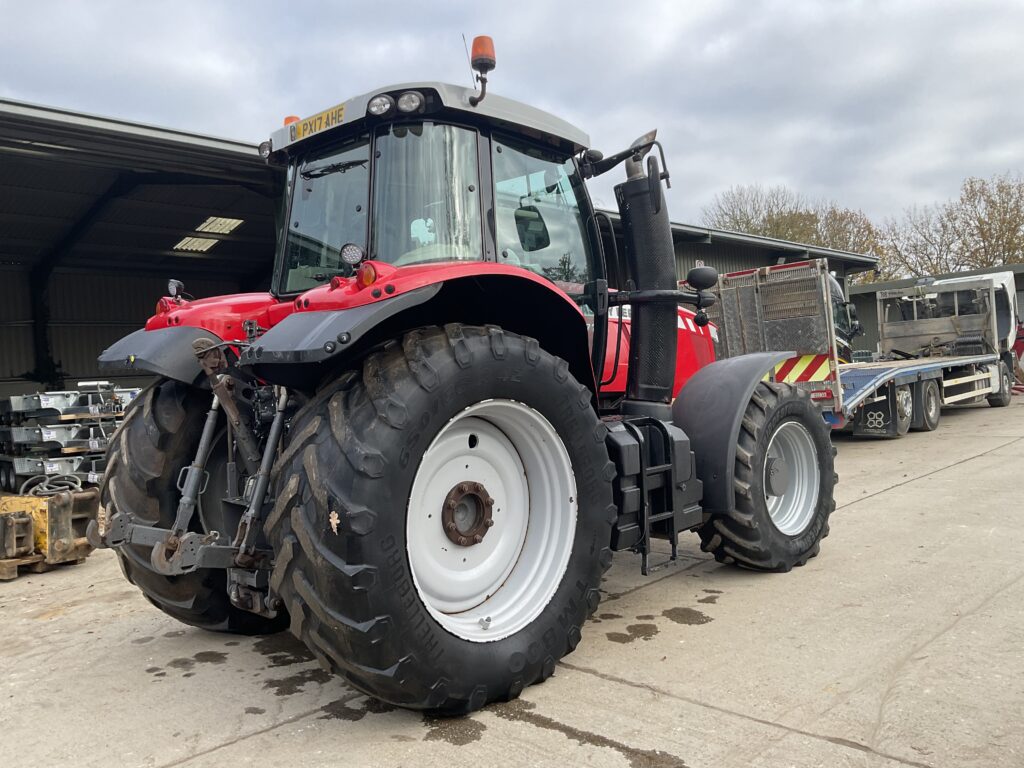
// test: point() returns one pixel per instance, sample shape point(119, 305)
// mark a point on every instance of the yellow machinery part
point(59, 522)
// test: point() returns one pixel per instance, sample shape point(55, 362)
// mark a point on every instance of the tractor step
point(655, 489)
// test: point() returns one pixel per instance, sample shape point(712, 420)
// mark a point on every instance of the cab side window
point(538, 222)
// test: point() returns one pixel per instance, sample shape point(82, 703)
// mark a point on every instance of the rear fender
point(163, 352)
point(309, 346)
point(710, 410)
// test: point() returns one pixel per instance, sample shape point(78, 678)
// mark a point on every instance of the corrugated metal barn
point(96, 214)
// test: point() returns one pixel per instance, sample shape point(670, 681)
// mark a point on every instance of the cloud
point(877, 105)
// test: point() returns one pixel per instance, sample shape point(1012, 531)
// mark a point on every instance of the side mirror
point(856, 328)
point(533, 232)
point(702, 278)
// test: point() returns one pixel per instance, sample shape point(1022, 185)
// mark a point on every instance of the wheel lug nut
point(451, 504)
point(463, 540)
point(488, 522)
point(477, 539)
point(489, 501)
point(449, 527)
point(463, 488)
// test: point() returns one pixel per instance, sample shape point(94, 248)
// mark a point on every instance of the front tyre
point(1001, 399)
point(784, 481)
point(443, 518)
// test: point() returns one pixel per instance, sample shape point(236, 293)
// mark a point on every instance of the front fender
point(164, 352)
point(314, 337)
point(710, 410)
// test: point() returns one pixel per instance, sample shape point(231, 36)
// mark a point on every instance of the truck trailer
point(941, 342)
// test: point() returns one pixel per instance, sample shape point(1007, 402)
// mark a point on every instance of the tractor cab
point(414, 175)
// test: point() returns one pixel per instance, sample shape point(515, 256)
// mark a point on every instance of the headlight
point(352, 254)
point(380, 105)
point(410, 101)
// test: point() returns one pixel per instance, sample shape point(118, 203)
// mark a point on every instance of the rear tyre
point(931, 406)
point(386, 561)
point(1002, 398)
point(784, 481)
point(158, 437)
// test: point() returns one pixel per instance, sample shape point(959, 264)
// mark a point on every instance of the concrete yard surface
point(902, 644)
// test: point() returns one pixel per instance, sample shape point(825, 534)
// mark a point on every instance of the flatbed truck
point(941, 343)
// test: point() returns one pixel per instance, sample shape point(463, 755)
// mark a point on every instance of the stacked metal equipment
point(63, 433)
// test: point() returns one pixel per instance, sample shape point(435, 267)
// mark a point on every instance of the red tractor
point(420, 449)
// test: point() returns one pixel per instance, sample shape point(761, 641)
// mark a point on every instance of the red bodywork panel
point(224, 315)
point(694, 349)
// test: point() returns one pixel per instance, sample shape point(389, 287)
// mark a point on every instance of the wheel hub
point(466, 514)
point(776, 476)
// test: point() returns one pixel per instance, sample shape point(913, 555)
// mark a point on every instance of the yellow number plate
point(329, 118)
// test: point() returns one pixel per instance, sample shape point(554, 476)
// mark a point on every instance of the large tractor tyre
point(931, 406)
point(1001, 399)
point(158, 438)
point(784, 482)
point(443, 518)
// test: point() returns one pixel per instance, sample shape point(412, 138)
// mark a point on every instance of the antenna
point(472, 74)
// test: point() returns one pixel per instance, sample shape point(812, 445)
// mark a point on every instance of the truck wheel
point(443, 518)
point(784, 479)
point(1002, 398)
point(904, 410)
point(931, 406)
point(158, 437)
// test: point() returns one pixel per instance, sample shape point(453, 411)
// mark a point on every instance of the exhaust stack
point(650, 257)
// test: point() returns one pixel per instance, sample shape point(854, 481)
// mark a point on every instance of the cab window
point(538, 222)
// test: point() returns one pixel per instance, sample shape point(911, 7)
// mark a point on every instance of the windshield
point(840, 313)
point(539, 226)
point(329, 201)
point(426, 198)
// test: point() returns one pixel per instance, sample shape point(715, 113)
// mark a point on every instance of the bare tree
point(982, 227)
point(781, 213)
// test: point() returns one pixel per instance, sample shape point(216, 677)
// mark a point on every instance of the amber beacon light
point(483, 61)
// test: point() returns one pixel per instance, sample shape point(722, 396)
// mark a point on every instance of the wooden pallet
point(12, 567)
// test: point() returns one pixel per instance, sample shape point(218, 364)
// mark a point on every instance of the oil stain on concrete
point(345, 709)
point(634, 632)
point(458, 731)
point(203, 657)
point(524, 712)
point(686, 616)
point(292, 684)
point(282, 650)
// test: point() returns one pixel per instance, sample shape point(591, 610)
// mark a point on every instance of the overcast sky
point(877, 105)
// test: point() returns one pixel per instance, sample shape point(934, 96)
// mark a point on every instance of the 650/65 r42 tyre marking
point(348, 568)
point(784, 481)
point(158, 437)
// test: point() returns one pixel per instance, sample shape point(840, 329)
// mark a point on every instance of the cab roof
point(454, 98)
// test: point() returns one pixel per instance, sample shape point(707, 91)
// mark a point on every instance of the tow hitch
point(178, 550)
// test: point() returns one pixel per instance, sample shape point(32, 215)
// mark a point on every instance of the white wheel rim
point(490, 589)
point(793, 455)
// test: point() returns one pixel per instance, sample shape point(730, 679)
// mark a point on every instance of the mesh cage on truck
point(782, 308)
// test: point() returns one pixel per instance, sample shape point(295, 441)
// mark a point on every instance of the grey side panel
point(710, 410)
point(165, 352)
point(312, 337)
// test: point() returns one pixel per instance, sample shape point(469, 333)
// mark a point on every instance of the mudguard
point(710, 410)
point(164, 352)
point(312, 337)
